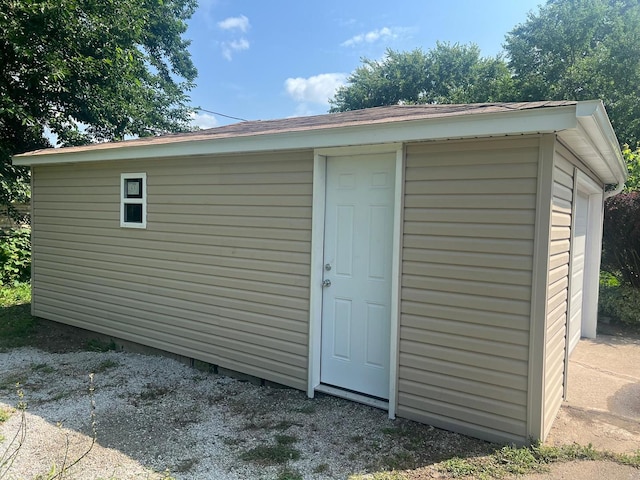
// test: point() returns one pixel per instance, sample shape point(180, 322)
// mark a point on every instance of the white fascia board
point(593, 118)
point(518, 122)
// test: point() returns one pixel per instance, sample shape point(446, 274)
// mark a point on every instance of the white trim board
point(317, 268)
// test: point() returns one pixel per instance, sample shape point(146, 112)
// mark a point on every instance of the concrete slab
point(603, 400)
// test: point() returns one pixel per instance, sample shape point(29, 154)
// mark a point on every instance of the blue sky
point(260, 60)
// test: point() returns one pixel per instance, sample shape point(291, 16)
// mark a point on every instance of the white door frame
point(317, 269)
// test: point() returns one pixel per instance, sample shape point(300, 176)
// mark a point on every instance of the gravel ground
point(154, 415)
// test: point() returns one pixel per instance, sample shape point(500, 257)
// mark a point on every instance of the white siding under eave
point(220, 274)
point(466, 285)
point(558, 287)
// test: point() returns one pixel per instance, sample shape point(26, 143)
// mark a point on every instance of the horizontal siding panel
point(460, 215)
point(559, 246)
point(268, 320)
point(562, 192)
point(465, 414)
point(465, 342)
point(478, 150)
point(472, 302)
point(455, 397)
point(463, 328)
point(440, 421)
point(230, 210)
point(178, 280)
point(474, 230)
point(504, 394)
point(215, 246)
point(472, 187)
point(54, 224)
point(214, 335)
point(563, 178)
point(234, 267)
point(487, 201)
point(466, 272)
point(470, 244)
point(474, 172)
point(561, 219)
point(559, 286)
point(466, 358)
point(489, 289)
point(558, 260)
point(221, 273)
point(462, 314)
point(469, 372)
point(472, 259)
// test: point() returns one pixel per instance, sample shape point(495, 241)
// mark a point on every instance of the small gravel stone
point(153, 416)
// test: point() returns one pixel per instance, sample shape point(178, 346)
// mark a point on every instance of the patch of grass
point(18, 294)
point(42, 368)
point(285, 439)
point(280, 453)
point(16, 322)
point(11, 382)
point(322, 468)
point(97, 345)
point(380, 476)
point(400, 461)
point(289, 474)
point(5, 414)
point(510, 460)
point(307, 409)
point(106, 365)
point(152, 392)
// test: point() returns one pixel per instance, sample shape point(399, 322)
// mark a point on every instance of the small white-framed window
point(133, 200)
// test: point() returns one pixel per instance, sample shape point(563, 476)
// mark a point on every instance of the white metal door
point(357, 257)
point(578, 249)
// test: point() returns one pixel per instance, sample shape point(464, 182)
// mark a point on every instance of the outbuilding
point(438, 261)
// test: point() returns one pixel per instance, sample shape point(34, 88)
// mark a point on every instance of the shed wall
point(466, 286)
point(221, 273)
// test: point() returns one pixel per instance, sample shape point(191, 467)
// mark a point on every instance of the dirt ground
point(603, 408)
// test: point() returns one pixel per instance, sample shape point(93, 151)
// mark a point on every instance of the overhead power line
point(222, 114)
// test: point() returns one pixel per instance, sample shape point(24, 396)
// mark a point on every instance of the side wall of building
point(220, 274)
point(558, 287)
point(469, 223)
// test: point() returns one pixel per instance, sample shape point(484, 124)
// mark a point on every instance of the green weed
point(96, 345)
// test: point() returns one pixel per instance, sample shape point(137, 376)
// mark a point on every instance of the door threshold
point(353, 396)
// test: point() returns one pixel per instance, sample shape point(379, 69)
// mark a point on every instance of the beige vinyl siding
point(558, 288)
point(466, 285)
point(220, 274)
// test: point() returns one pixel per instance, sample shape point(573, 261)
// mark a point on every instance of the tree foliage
point(582, 50)
point(632, 159)
point(449, 73)
point(89, 70)
point(621, 238)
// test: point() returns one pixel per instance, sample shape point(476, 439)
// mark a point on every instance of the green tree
point(87, 71)
point(580, 50)
point(632, 158)
point(448, 73)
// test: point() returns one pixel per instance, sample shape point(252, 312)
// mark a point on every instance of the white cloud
point(315, 89)
point(203, 120)
point(229, 48)
point(235, 23)
point(370, 37)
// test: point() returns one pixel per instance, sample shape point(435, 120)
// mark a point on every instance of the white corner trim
point(316, 272)
point(539, 283)
point(396, 276)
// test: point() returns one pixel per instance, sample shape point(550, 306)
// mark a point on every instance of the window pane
point(133, 188)
point(133, 213)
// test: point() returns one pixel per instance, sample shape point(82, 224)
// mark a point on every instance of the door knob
point(326, 283)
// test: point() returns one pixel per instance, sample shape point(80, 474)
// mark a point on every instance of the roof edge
point(593, 117)
point(516, 122)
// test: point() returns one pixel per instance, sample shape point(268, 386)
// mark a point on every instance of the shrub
point(621, 238)
point(15, 256)
point(621, 303)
